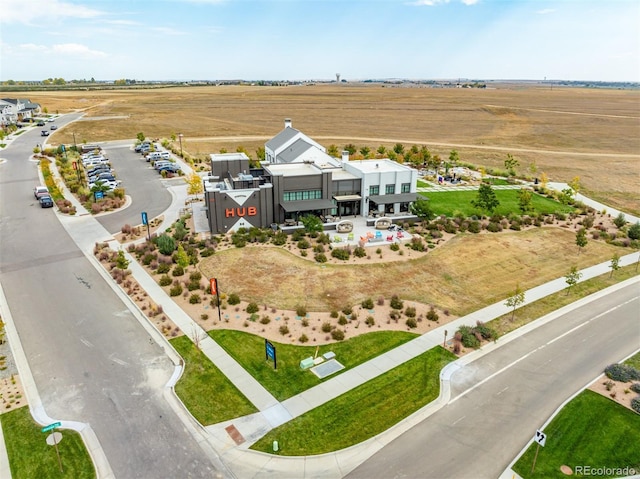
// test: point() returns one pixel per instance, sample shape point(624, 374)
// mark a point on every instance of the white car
point(111, 185)
point(94, 162)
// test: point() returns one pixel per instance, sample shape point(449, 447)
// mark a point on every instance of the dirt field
point(567, 132)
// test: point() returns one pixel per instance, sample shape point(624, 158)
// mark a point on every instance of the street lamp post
point(180, 139)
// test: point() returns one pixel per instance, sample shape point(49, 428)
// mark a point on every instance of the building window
point(406, 188)
point(374, 190)
point(302, 195)
point(389, 189)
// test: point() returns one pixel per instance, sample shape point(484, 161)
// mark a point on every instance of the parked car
point(172, 168)
point(95, 170)
point(88, 156)
point(102, 177)
point(95, 161)
point(44, 133)
point(45, 201)
point(160, 163)
point(40, 190)
point(54, 127)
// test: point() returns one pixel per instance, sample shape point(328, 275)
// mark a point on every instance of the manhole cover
point(327, 368)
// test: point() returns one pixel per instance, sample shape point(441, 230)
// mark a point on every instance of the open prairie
point(566, 132)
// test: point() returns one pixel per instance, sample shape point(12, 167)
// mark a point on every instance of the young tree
point(572, 277)
point(140, 136)
point(486, 199)
point(194, 184)
point(511, 164)
point(620, 220)
point(581, 239)
point(524, 201)
point(312, 223)
point(351, 148)
point(398, 148)
point(121, 260)
point(332, 150)
point(422, 209)
point(544, 179)
point(634, 231)
point(381, 150)
point(615, 263)
point(260, 155)
point(364, 151)
point(454, 157)
point(182, 258)
point(574, 184)
point(533, 168)
point(515, 300)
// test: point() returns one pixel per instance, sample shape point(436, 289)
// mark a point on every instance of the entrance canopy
point(347, 198)
point(398, 198)
point(304, 205)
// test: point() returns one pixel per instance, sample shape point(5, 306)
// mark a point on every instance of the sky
point(579, 40)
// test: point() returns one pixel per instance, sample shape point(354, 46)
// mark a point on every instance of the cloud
point(168, 31)
point(32, 11)
point(546, 11)
point(131, 23)
point(77, 50)
point(470, 2)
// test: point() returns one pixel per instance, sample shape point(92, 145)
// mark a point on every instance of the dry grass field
point(465, 274)
point(567, 132)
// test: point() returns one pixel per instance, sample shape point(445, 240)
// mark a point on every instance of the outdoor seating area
point(345, 226)
point(382, 223)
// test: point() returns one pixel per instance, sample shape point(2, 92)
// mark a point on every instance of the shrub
point(193, 285)
point(635, 404)
point(326, 327)
point(622, 373)
point(233, 299)
point(337, 334)
point(176, 290)
point(252, 308)
point(165, 281)
point(303, 338)
point(394, 247)
point(163, 268)
point(284, 329)
point(370, 321)
point(334, 314)
point(303, 244)
point(265, 319)
point(319, 248)
point(634, 231)
point(635, 387)
point(367, 303)
point(469, 339)
point(396, 302)
point(341, 253)
point(432, 315)
point(320, 258)
point(301, 311)
point(359, 252)
point(412, 323)
point(494, 227)
point(194, 298)
point(166, 244)
point(148, 258)
point(620, 220)
point(195, 276)
point(381, 301)
point(410, 312)
point(178, 270)
point(342, 320)
point(417, 244)
point(204, 316)
point(347, 310)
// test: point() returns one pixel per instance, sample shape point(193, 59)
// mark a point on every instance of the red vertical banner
point(214, 286)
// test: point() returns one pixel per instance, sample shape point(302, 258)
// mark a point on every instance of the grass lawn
point(451, 203)
point(364, 411)
point(30, 456)
point(591, 430)
point(546, 305)
point(289, 380)
point(634, 361)
point(496, 181)
point(204, 390)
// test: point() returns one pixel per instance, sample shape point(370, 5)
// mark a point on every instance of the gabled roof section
point(281, 138)
point(293, 151)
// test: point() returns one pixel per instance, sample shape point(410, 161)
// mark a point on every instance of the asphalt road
point(90, 358)
point(147, 189)
point(479, 433)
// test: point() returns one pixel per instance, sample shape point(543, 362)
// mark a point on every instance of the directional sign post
point(540, 438)
point(145, 221)
point(270, 352)
point(51, 427)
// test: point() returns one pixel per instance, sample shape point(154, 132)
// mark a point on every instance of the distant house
point(13, 110)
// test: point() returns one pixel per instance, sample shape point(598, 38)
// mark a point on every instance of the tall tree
point(422, 209)
point(194, 184)
point(515, 300)
point(572, 278)
point(486, 199)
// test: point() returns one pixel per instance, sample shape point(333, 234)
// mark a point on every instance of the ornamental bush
point(320, 258)
point(622, 373)
point(178, 270)
point(194, 298)
point(412, 323)
point(367, 303)
point(252, 308)
point(359, 252)
point(163, 268)
point(176, 290)
point(396, 302)
point(469, 339)
point(341, 253)
point(233, 299)
point(337, 334)
point(166, 244)
point(326, 327)
point(635, 387)
point(635, 404)
point(164, 280)
point(284, 329)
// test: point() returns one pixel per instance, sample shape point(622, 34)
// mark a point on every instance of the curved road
point(511, 392)
point(91, 359)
